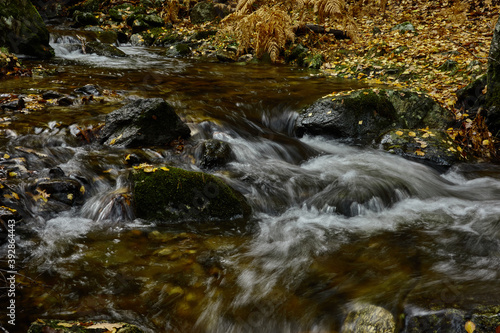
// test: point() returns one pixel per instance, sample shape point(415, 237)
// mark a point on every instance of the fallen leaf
point(107, 326)
point(399, 133)
point(82, 189)
point(6, 156)
point(470, 326)
point(70, 196)
point(412, 134)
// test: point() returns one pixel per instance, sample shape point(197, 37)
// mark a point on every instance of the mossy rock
point(368, 318)
point(23, 30)
point(102, 49)
point(84, 18)
point(493, 81)
point(173, 194)
point(364, 115)
point(63, 326)
point(297, 54)
point(203, 12)
point(143, 122)
point(431, 146)
point(404, 27)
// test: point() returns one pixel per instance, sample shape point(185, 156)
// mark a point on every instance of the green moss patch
point(173, 194)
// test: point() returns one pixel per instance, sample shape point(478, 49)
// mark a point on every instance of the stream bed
point(296, 265)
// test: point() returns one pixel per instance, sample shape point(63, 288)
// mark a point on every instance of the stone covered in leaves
point(364, 115)
point(143, 122)
point(63, 326)
point(172, 194)
point(23, 30)
point(434, 147)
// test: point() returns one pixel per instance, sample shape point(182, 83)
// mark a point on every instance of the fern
point(266, 31)
point(244, 6)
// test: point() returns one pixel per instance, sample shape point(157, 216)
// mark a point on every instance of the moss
point(369, 100)
point(314, 61)
point(178, 194)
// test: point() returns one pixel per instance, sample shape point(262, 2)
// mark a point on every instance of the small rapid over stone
point(334, 226)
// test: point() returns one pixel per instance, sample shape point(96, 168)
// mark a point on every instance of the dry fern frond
point(170, 10)
point(266, 30)
point(329, 8)
point(244, 6)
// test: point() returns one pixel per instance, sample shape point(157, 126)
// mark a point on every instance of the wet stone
point(65, 101)
point(88, 89)
point(64, 190)
point(51, 94)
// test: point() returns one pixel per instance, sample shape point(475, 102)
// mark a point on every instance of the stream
point(409, 238)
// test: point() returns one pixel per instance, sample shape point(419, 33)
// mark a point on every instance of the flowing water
point(333, 225)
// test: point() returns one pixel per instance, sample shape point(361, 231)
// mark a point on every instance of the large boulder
point(365, 115)
point(22, 29)
point(143, 122)
point(493, 81)
point(170, 194)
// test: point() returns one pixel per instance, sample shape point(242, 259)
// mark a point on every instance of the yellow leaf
point(12, 174)
point(15, 195)
point(360, 122)
point(165, 169)
point(6, 156)
point(425, 135)
point(470, 326)
point(423, 145)
point(7, 196)
point(70, 196)
point(112, 142)
point(150, 169)
point(399, 133)
point(108, 326)
point(486, 142)
point(65, 325)
point(412, 134)
point(127, 157)
point(82, 189)
point(419, 153)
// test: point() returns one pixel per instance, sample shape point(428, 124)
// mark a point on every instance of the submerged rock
point(23, 30)
point(368, 318)
point(65, 190)
point(143, 122)
point(172, 194)
point(89, 89)
point(215, 153)
point(63, 326)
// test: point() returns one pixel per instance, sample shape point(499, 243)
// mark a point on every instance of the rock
point(107, 50)
point(64, 190)
point(493, 81)
point(368, 318)
point(178, 195)
point(84, 18)
point(56, 172)
point(144, 122)
point(404, 27)
point(22, 29)
point(18, 104)
point(226, 56)
point(215, 153)
point(179, 50)
point(116, 15)
point(51, 94)
point(154, 20)
point(203, 12)
point(88, 89)
point(446, 320)
point(364, 115)
point(471, 97)
point(433, 147)
point(203, 34)
point(297, 54)
point(65, 101)
point(65, 326)
point(137, 40)
point(245, 58)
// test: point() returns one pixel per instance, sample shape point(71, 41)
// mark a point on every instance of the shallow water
point(333, 225)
